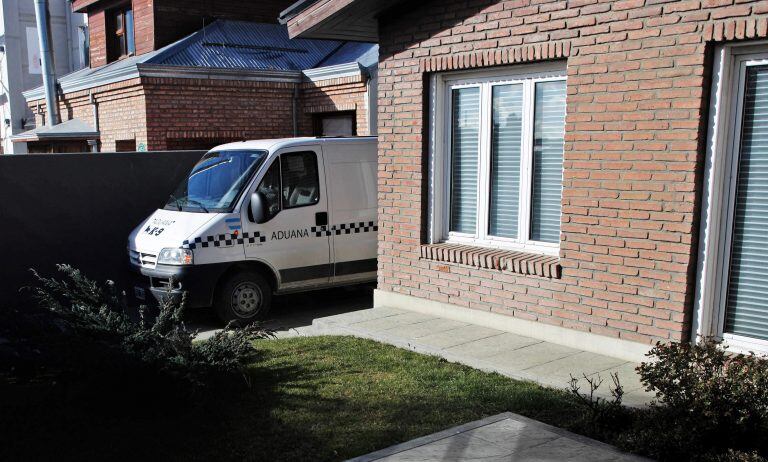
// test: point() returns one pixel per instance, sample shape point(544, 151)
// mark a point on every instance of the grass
point(317, 398)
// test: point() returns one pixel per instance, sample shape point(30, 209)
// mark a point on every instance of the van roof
point(277, 143)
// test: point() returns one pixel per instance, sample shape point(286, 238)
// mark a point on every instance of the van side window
point(270, 189)
point(301, 185)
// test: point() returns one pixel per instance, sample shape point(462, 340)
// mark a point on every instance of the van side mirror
point(258, 208)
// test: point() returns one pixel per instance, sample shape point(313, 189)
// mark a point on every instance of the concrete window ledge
point(495, 259)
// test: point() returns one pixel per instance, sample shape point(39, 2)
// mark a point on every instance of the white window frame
point(441, 86)
point(719, 197)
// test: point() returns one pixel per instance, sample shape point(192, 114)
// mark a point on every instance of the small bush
point(82, 341)
point(601, 415)
point(735, 456)
point(708, 402)
point(710, 406)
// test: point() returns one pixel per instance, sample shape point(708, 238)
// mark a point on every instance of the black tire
point(236, 296)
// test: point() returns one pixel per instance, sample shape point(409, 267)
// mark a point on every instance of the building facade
point(20, 64)
point(172, 75)
point(592, 171)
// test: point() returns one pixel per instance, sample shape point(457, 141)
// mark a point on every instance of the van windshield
point(216, 181)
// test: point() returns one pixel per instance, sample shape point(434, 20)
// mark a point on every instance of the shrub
point(710, 406)
point(735, 456)
point(82, 339)
point(601, 415)
point(708, 402)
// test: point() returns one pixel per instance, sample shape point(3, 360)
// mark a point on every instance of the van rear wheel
point(244, 298)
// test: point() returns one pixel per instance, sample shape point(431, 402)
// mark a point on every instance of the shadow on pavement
point(291, 313)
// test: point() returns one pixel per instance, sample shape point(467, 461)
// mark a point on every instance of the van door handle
point(321, 219)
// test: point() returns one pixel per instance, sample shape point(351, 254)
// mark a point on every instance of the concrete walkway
point(347, 311)
point(484, 348)
point(504, 437)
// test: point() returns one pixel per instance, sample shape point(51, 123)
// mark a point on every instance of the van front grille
point(145, 260)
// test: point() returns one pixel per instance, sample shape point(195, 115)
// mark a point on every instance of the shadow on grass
point(43, 421)
point(326, 398)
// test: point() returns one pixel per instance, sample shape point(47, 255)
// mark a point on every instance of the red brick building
point(160, 80)
point(591, 172)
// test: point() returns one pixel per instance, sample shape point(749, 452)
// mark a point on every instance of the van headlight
point(170, 256)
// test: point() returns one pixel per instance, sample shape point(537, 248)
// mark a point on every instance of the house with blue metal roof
point(231, 80)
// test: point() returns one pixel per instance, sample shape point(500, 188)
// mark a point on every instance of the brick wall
point(165, 113)
point(144, 26)
point(344, 94)
point(160, 23)
point(219, 110)
point(97, 29)
point(121, 108)
point(637, 99)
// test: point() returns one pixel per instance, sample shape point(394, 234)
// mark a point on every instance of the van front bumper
point(172, 281)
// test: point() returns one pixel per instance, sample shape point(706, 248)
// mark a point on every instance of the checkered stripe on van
point(345, 228)
point(223, 240)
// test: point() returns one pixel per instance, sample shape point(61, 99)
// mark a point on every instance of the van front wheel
point(244, 298)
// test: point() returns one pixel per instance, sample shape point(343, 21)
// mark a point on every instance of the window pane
point(548, 139)
point(129, 31)
point(300, 181)
point(746, 308)
point(119, 22)
point(270, 190)
point(338, 125)
point(464, 159)
point(506, 139)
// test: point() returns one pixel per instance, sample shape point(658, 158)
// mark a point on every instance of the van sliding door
point(350, 171)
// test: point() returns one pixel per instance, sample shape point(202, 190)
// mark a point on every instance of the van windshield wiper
point(176, 200)
point(198, 203)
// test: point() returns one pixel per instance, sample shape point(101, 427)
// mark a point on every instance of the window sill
point(495, 259)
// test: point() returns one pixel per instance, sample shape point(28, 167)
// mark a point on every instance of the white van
point(261, 217)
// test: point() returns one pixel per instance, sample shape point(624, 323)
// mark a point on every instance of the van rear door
point(350, 170)
point(290, 241)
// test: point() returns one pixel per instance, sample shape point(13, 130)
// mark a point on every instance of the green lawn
point(321, 398)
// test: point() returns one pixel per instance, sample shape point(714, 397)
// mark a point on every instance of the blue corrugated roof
point(226, 44)
point(246, 45)
point(367, 54)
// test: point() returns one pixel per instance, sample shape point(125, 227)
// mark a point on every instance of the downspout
point(83, 46)
point(95, 107)
point(295, 103)
point(46, 58)
point(70, 57)
point(372, 100)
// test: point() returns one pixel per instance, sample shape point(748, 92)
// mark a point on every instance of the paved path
point(487, 349)
point(346, 311)
point(504, 437)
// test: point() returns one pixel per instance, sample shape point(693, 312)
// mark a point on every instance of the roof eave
point(334, 72)
point(293, 10)
point(82, 6)
point(188, 72)
point(182, 72)
point(354, 20)
point(22, 137)
point(87, 82)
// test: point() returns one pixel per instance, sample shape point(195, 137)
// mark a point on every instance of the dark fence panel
point(78, 209)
